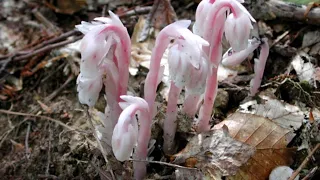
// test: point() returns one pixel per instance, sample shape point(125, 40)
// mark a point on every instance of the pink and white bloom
point(213, 25)
point(237, 31)
point(126, 133)
point(187, 68)
point(186, 57)
point(233, 58)
point(105, 51)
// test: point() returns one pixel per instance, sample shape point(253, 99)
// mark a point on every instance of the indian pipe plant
point(193, 61)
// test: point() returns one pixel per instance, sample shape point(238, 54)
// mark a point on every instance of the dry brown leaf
point(269, 139)
point(66, 6)
point(285, 115)
point(161, 14)
point(140, 51)
point(215, 152)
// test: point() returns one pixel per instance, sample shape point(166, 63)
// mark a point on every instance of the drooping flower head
point(186, 58)
point(232, 58)
point(106, 42)
point(237, 27)
point(125, 133)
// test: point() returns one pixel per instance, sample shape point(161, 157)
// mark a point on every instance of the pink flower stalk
point(232, 58)
point(187, 68)
point(126, 134)
point(213, 28)
point(259, 65)
point(185, 54)
point(105, 50)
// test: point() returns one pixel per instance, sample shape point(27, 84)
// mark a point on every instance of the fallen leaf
point(284, 114)
point(310, 38)
point(269, 139)
point(215, 151)
point(161, 14)
point(66, 6)
point(282, 173)
point(141, 54)
point(303, 67)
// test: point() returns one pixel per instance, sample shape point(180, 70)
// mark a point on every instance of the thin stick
point(164, 163)
point(104, 154)
point(311, 173)
point(49, 150)
point(26, 142)
point(304, 163)
point(43, 44)
point(56, 92)
point(3, 137)
point(39, 116)
point(47, 48)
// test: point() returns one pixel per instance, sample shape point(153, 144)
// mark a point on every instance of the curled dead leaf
point(215, 152)
point(269, 139)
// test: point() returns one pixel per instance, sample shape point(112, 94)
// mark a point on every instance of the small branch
point(164, 163)
point(311, 173)
point(304, 163)
point(136, 11)
point(56, 92)
point(104, 154)
point(47, 48)
point(45, 21)
point(49, 150)
point(26, 142)
point(273, 9)
point(41, 117)
point(44, 43)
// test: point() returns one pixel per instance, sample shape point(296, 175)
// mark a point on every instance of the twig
point(304, 163)
point(311, 173)
point(47, 48)
point(4, 135)
point(279, 38)
point(164, 163)
point(44, 43)
point(104, 154)
point(136, 11)
point(45, 21)
point(49, 151)
point(53, 72)
point(26, 142)
point(39, 116)
point(4, 63)
point(44, 176)
point(56, 92)
point(275, 9)
point(100, 170)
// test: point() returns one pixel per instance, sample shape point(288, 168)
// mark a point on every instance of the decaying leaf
point(310, 38)
point(161, 14)
point(141, 54)
point(284, 114)
point(215, 152)
point(282, 173)
point(140, 51)
point(66, 6)
point(302, 64)
point(269, 139)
